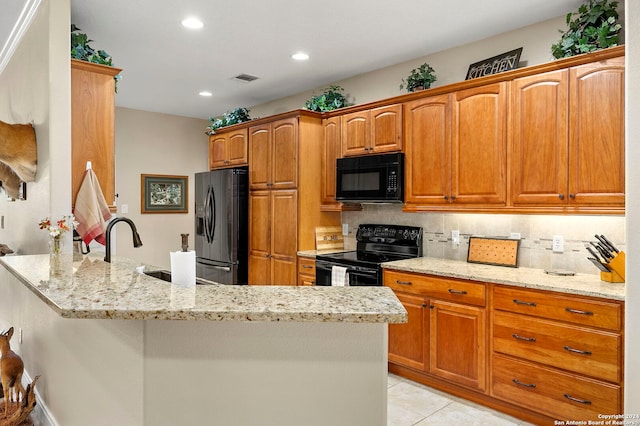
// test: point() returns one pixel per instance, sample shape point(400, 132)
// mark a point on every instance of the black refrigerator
point(221, 215)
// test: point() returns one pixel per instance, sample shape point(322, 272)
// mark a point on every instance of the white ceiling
point(166, 65)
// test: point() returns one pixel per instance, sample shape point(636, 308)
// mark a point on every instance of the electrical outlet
point(455, 237)
point(558, 244)
point(2, 222)
point(345, 229)
point(20, 336)
point(515, 236)
point(124, 208)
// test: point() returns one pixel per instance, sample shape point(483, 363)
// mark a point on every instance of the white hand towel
point(91, 210)
point(339, 276)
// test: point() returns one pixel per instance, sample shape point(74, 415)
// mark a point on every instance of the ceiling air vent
point(245, 77)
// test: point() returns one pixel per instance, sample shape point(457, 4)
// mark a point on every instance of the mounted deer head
point(18, 153)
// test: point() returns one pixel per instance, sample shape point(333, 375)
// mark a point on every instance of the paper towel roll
point(183, 268)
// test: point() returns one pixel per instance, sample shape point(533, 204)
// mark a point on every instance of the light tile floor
point(413, 404)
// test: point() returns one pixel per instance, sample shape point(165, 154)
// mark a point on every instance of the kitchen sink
point(166, 276)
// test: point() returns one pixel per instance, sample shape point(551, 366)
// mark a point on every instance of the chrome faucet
point(137, 242)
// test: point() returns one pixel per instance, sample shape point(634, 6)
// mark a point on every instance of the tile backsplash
point(536, 233)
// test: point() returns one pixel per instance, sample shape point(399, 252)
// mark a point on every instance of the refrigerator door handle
point(207, 213)
point(213, 214)
point(222, 268)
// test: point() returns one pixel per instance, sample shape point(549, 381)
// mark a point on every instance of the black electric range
point(376, 244)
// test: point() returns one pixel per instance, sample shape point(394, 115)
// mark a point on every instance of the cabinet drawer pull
point(403, 282)
point(526, 339)
point(526, 385)
point(576, 351)
point(581, 401)
point(307, 266)
point(520, 302)
point(576, 311)
point(452, 291)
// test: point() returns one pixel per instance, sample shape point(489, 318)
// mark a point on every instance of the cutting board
point(493, 251)
point(329, 237)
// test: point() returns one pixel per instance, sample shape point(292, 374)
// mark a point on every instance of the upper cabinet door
point(428, 150)
point(330, 153)
point(237, 148)
point(285, 154)
point(260, 157)
point(479, 145)
point(596, 136)
point(217, 151)
point(355, 133)
point(539, 139)
point(386, 129)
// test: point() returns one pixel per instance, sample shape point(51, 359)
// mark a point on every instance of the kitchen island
point(114, 346)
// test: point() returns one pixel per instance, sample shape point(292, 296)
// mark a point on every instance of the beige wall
point(35, 88)
point(152, 143)
point(450, 65)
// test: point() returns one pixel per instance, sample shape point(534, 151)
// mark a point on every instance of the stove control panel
point(389, 234)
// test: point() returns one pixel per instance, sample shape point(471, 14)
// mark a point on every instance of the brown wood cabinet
point(557, 356)
point(456, 149)
point(273, 162)
point(306, 271)
point(409, 342)
point(273, 237)
point(566, 152)
point(445, 335)
point(228, 149)
point(331, 147)
point(93, 126)
point(284, 196)
point(372, 131)
point(534, 354)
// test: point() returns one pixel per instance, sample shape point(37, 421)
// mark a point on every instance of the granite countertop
point(78, 286)
point(580, 284)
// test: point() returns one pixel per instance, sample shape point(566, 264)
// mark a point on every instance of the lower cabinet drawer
point(595, 353)
point(563, 396)
point(462, 291)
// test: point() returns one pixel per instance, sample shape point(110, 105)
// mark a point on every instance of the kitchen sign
point(497, 64)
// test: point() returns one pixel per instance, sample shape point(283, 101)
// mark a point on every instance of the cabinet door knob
point(446, 197)
point(572, 196)
point(453, 198)
point(561, 196)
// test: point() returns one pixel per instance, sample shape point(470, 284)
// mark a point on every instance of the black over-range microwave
point(370, 178)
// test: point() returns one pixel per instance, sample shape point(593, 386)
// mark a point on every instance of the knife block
point(617, 266)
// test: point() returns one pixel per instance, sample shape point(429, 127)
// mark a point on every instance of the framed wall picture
point(164, 194)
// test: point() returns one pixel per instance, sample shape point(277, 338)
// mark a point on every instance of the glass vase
point(55, 245)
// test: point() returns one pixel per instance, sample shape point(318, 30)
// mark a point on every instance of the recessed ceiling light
point(205, 93)
point(300, 56)
point(192, 23)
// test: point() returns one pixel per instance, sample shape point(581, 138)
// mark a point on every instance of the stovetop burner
point(380, 243)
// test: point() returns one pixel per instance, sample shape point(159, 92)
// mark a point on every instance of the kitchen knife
point(599, 265)
point(610, 244)
point(594, 254)
point(603, 253)
point(604, 245)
